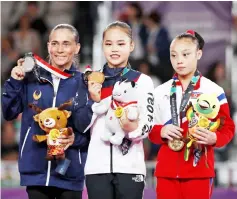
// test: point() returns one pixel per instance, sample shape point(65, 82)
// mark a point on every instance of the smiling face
point(117, 46)
point(62, 47)
point(184, 56)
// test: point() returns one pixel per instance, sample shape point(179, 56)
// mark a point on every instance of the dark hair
point(119, 24)
point(138, 9)
point(155, 16)
point(69, 27)
point(195, 37)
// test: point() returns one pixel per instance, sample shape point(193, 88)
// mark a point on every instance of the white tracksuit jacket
point(103, 158)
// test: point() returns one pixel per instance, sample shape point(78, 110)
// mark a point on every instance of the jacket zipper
point(53, 105)
point(79, 156)
point(111, 158)
point(111, 145)
point(23, 145)
point(48, 173)
point(180, 119)
point(178, 167)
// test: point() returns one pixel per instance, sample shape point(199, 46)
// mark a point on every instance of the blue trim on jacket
point(221, 96)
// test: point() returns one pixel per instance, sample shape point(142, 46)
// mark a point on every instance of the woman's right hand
point(94, 89)
point(171, 131)
point(18, 71)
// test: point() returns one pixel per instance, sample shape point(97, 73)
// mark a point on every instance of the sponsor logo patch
point(138, 178)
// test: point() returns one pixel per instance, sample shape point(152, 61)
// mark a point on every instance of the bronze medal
point(176, 144)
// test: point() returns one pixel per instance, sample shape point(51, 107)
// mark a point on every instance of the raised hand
point(18, 71)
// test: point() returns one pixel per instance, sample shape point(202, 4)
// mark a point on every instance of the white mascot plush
point(122, 114)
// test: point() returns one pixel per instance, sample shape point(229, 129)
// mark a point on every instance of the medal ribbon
point(185, 98)
point(43, 64)
point(119, 104)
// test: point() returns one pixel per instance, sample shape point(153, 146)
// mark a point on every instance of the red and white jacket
point(171, 164)
point(106, 158)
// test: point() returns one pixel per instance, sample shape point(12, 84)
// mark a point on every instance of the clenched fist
point(18, 71)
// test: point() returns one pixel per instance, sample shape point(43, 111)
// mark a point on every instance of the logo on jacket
point(37, 94)
point(138, 178)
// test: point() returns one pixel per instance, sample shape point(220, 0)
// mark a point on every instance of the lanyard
point(121, 73)
point(185, 98)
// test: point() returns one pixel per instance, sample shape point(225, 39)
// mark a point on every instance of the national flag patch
point(195, 95)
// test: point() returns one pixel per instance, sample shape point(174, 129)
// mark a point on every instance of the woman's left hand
point(66, 140)
point(205, 136)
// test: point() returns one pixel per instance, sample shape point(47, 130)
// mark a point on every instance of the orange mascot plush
point(53, 122)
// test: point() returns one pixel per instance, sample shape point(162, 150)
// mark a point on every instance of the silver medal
point(29, 63)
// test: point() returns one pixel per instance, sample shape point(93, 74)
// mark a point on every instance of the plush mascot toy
point(122, 113)
point(202, 114)
point(53, 122)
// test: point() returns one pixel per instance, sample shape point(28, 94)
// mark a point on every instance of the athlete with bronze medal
point(177, 144)
point(179, 171)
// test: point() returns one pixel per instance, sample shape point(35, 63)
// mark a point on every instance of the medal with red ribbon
point(34, 62)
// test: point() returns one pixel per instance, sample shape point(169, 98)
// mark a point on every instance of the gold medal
point(96, 76)
point(176, 144)
point(53, 134)
point(119, 112)
point(203, 122)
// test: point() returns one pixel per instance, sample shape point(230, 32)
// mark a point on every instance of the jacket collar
point(115, 71)
point(178, 82)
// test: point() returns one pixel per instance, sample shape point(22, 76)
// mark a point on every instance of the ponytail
point(200, 40)
point(194, 36)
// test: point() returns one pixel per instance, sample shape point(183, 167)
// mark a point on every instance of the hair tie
point(191, 32)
